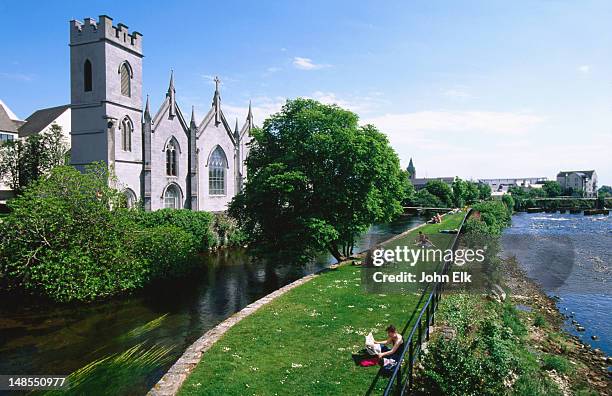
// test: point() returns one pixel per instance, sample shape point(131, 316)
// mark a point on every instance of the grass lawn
point(302, 342)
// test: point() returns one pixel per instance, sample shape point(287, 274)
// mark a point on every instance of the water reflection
point(160, 323)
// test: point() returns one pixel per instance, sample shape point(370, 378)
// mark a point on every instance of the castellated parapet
point(103, 30)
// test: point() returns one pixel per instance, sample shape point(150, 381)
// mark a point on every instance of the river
point(569, 256)
point(125, 345)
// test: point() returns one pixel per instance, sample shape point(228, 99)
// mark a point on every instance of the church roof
point(423, 180)
point(8, 120)
point(41, 119)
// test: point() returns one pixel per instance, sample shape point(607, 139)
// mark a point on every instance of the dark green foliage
point(440, 190)
point(69, 237)
point(484, 191)
point(317, 180)
point(166, 250)
point(509, 202)
point(539, 320)
point(426, 199)
point(197, 224)
point(65, 238)
point(510, 319)
point(470, 367)
point(494, 214)
point(557, 363)
point(552, 188)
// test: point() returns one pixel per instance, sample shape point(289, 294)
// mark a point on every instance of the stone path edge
point(172, 381)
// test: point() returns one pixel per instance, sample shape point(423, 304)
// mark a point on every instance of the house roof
point(8, 119)
point(40, 119)
point(423, 180)
point(587, 173)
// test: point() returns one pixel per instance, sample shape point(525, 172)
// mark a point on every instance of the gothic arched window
point(172, 197)
point(126, 134)
point(171, 156)
point(87, 76)
point(125, 72)
point(216, 172)
point(130, 198)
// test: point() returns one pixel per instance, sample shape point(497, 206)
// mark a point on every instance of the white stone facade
point(161, 160)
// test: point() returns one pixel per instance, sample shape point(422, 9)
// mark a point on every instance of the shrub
point(197, 224)
point(539, 320)
point(557, 363)
point(168, 251)
point(451, 369)
point(495, 216)
point(65, 239)
point(510, 319)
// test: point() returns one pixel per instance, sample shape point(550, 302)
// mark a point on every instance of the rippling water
point(569, 256)
point(154, 327)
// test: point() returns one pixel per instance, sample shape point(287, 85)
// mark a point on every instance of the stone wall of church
point(213, 136)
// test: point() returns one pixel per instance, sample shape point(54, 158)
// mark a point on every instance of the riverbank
point(516, 340)
point(590, 363)
point(303, 342)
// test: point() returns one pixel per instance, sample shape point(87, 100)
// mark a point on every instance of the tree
point(409, 191)
point(24, 161)
point(460, 190)
point(484, 191)
point(552, 188)
point(317, 180)
point(472, 193)
point(425, 199)
point(604, 191)
point(440, 190)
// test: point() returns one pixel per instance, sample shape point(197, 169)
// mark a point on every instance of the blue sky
point(467, 88)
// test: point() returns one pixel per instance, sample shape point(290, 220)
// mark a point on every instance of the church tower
point(106, 99)
point(411, 170)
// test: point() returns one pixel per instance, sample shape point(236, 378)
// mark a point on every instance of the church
point(161, 159)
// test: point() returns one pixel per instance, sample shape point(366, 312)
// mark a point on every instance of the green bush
point(69, 237)
point(539, 320)
point(494, 216)
point(510, 319)
point(168, 251)
point(65, 239)
point(557, 363)
point(197, 224)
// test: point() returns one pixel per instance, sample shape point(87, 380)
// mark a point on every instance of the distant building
point(585, 181)
point(501, 186)
point(9, 123)
point(9, 126)
point(419, 183)
point(411, 170)
point(41, 120)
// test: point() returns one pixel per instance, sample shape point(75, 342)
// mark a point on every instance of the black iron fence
point(402, 377)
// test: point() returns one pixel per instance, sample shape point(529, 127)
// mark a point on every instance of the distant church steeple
point(411, 169)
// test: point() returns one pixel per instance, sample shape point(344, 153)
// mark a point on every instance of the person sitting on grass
point(393, 338)
point(423, 240)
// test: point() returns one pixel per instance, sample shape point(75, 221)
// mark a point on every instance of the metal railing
point(402, 378)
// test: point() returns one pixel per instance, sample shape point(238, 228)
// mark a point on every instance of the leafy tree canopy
point(23, 161)
point(317, 180)
point(441, 190)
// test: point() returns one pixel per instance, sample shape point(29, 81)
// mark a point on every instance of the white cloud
point(307, 64)
point(585, 69)
point(273, 69)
